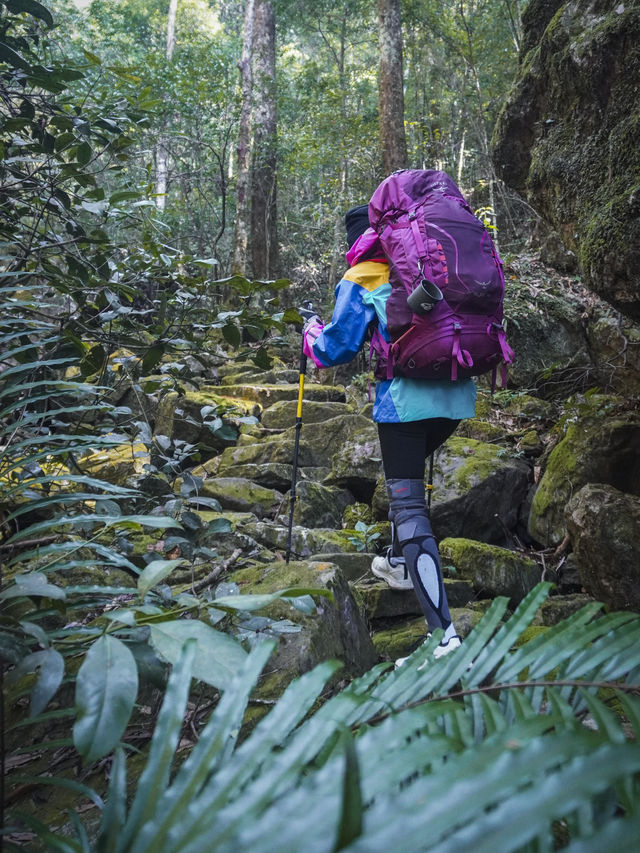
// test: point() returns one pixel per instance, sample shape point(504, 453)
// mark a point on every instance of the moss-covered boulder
point(600, 445)
point(382, 602)
point(559, 607)
point(122, 465)
point(478, 489)
point(304, 541)
point(338, 630)
point(204, 418)
point(236, 493)
point(319, 506)
point(492, 570)
point(267, 395)
point(604, 526)
point(282, 415)
point(567, 136)
point(400, 637)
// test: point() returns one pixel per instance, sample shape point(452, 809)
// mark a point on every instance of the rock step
point(382, 602)
point(267, 395)
point(282, 415)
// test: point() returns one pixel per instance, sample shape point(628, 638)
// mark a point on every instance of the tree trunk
point(264, 236)
point(390, 87)
point(243, 150)
point(162, 167)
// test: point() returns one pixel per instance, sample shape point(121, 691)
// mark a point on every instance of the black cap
point(356, 222)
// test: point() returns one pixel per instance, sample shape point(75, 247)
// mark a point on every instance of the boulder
point(357, 464)
point(267, 395)
point(604, 526)
point(316, 447)
point(567, 136)
point(600, 445)
point(123, 465)
point(304, 541)
point(492, 570)
point(236, 493)
point(382, 602)
point(189, 417)
point(478, 490)
point(282, 415)
point(354, 566)
point(338, 630)
point(317, 505)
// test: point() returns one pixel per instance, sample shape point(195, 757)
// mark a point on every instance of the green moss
point(480, 461)
point(531, 633)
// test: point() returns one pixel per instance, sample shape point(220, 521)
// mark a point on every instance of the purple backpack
point(444, 314)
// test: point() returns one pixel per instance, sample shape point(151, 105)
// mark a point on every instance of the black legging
point(406, 446)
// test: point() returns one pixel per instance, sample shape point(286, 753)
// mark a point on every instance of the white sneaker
point(446, 646)
point(392, 569)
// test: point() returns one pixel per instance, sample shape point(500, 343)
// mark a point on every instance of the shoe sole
point(393, 583)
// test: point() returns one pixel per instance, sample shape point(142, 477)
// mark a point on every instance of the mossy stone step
point(382, 602)
point(267, 395)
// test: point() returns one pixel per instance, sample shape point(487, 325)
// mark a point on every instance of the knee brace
point(414, 537)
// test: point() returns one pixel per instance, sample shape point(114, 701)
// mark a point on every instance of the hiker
point(414, 418)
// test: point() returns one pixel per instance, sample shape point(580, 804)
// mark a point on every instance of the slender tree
point(243, 150)
point(161, 148)
point(390, 87)
point(264, 235)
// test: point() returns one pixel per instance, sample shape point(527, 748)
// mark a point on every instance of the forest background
point(261, 129)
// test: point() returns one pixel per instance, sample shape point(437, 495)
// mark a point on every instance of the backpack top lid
point(404, 190)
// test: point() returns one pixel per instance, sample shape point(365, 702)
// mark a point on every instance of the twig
point(215, 573)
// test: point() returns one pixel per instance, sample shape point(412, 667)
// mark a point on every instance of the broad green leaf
point(106, 688)
point(12, 57)
point(33, 584)
point(51, 672)
point(152, 357)
point(155, 775)
point(32, 7)
point(257, 602)
point(155, 572)
point(231, 334)
point(218, 655)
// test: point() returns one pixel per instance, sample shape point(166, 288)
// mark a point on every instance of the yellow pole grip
point(300, 395)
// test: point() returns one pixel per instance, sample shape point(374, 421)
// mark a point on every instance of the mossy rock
point(478, 490)
point(482, 431)
point(598, 448)
point(492, 570)
point(559, 607)
point(179, 416)
point(604, 526)
point(399, 638)
point(382, 602)
point(338, 629)
point(267, 395)
point(305, 541)
point(282, 415)
point(576, 97)
point(317, 505)
point(121, 465)
point(236, 493)
point(251, 373)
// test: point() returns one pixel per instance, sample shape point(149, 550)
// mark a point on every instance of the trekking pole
point(430, 483)
point(306, 312)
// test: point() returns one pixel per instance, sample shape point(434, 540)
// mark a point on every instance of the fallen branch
point(215, 573)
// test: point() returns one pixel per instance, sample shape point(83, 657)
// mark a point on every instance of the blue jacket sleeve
point(342, 338)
